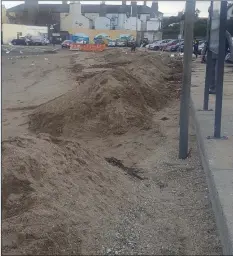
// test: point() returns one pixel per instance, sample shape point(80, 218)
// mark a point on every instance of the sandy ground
point(29, 82)
point(147, 202)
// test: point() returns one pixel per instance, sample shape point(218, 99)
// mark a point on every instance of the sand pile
point(112, 101)
point(56, 196)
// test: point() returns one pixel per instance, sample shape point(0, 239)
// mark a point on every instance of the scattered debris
point(132, 171)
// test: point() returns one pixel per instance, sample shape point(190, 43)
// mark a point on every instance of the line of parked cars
point(120, 43)
point(30, 41)
point(169, 45)
point(172, 45)
point(109, 43)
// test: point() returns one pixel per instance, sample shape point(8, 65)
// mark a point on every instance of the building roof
point(95, 8)
point(85, 8)
point(57, 8)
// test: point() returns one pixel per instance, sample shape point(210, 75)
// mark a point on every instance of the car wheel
point(14, 43)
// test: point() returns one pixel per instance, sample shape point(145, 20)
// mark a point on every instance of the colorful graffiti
point(80, 38)
point(92, 35)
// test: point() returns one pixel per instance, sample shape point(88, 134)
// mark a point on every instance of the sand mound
point(112, 101)
point(56, 196)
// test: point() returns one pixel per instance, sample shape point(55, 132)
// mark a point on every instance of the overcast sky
point(169, 8)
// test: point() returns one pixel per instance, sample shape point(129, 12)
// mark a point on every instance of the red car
point(170, 44)
point(66, 44)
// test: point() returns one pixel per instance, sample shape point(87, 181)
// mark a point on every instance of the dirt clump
point(110, 102)
point(56, 195)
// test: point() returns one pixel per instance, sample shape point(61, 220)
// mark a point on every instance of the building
point(113, 20)
point(13, 31)
point(4, 18)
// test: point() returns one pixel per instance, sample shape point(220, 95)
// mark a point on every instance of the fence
point(87, 47)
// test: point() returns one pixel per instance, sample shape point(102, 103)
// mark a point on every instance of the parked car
point(159, 44)
point(21, 41)
point(170, 44)
point(150, 45)
point(155, 45)
point(81, 41)
point(66, 44)
point(37, 40)
point(176, 47)
point(121, 43)
point(164, 43)
point(111, 43)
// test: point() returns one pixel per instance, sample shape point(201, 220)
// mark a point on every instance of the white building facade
point(134, 17)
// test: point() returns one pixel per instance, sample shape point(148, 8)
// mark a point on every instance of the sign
point(55, 34)
point(87, 47)
point(214, 29)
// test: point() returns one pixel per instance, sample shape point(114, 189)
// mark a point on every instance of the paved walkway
point(217, 155)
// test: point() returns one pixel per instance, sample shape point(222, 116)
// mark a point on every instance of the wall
point(92, 33)
point(77, 18)
point(91, 16)
point(10, 31)
point(130, 24)
point(144, 17)
point(121, 20)
point(153, 24)
point(74, 19)
point(65, 21)
point(152, 36)
point(102, 23)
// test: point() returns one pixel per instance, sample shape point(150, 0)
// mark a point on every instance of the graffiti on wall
point(93, 35)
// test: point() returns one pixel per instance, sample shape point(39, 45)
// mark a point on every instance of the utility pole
point(220, 70)
point(186, 83)
point(209, 64)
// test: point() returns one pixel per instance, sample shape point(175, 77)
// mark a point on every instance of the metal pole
point(136, 25)
point(209, 62)
point(220, 69)
point(208, 79)
point(186, 84)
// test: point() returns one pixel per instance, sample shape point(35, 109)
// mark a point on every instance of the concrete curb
point(221, 221)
